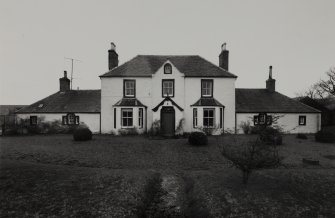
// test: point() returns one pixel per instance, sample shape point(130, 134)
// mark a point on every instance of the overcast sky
point(296, 37)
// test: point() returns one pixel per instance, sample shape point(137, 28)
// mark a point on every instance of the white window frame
point(169, 88)
point(140, 118)
point(128, 90)
point(304, 119)
point(195, 117)
point(209, 117)
point(207, 88)
point(127, 117)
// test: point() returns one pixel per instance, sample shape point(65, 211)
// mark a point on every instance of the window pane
point(205, 122)
point(205, 113)
point(211, 113)
point(211, 122)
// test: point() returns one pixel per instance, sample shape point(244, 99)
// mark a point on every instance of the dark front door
point(167, 121)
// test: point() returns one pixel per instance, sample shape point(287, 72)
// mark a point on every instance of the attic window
point(40, 105)
point(167, 69)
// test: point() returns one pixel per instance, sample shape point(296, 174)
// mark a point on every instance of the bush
point(251, 155)
point(198, 138)
point(82, 134)
point(130, 131)
point(245, 126)
point(324, 136)
point(270, 135)
point(301, 136)
point(155, 128)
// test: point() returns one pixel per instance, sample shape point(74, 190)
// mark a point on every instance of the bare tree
point(322, 89)
point(328, 85)
point(249, 156)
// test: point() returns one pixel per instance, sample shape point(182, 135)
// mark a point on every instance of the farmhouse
point(178, 93)
point(192, 92)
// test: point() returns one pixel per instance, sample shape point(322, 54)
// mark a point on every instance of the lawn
point(53, 176)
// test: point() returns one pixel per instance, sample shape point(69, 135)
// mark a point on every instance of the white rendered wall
point(224, 92)
point(288, 122)
point(187, 90)
point(92, 120)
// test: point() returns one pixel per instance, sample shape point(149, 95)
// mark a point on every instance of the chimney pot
point(65, 74)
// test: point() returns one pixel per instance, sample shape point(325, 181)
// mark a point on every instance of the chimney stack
point(113, 57)
point(64, 83)
point(271, 83)
point(224, 57)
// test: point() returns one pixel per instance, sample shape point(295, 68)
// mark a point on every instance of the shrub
point(301, 136)
point(324, 136)
point(251, 155)
point(130, 131)
point(245, 126)
point(82, 134)
point(155, 128)
point(270, 135)
point(198, 138)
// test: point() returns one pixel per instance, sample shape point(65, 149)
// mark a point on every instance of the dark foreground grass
point(43, 190)
point(53, 176)
point(269, 193)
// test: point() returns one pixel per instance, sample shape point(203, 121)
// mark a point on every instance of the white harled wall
point(149, 92)
point(289, 122)
point(92, 120)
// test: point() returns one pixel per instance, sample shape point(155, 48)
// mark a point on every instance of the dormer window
point(129, 88)
point(206, 88)
point(167, 69)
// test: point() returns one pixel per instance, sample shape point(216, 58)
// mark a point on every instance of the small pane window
point(129, 88)
point(33, 120)
point(206, 88)
point(302, 120)
point(167, 69)
point(127, 117)
point(71, 119)
point(209, 117)
point(255, 120)
point(168, 88)
point(140, 117)
point(64, 120)
point(268, 120)
point(195, 117)
point(261, 119)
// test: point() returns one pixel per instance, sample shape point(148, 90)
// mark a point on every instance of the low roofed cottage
point(267, 106)
point(70, 107)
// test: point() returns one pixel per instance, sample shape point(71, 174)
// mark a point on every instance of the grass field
point(53, 176)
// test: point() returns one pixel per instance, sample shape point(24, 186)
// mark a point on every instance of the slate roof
point(10, 109)
point(208, 102)
point(261, 100)
point(76, 101)
point(129, 102)
point(190, 65)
